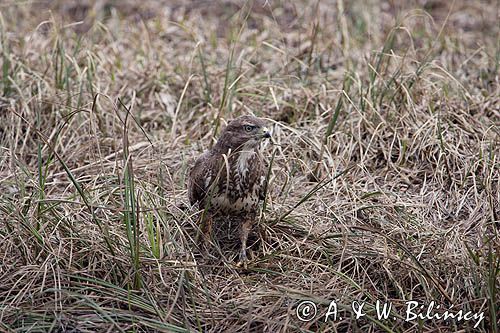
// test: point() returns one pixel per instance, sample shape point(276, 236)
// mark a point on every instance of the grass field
point(384, 177)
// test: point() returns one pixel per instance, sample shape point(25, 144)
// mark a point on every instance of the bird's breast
point(231, 205)
point(238, 190)
point(244, 163)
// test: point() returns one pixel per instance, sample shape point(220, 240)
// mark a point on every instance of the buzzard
point(229, 179)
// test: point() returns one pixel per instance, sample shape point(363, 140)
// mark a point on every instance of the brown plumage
point(229, 179)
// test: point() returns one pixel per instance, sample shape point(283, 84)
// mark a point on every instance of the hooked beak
point(265, 133)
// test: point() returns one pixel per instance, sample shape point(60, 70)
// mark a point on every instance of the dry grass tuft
point(384, 183)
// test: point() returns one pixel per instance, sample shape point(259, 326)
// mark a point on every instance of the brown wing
point(201, 177)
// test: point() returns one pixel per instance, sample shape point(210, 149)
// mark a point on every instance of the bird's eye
point(249, 128)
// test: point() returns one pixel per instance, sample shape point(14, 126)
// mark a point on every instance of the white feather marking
point(245, 155)
point(207, 182)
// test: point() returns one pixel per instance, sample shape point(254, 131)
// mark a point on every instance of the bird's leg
point(245, 229)
point(206, 230)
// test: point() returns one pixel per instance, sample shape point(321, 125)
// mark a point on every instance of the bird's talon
point(243, 261)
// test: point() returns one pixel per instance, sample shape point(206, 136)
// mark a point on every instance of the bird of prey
point(229, 179)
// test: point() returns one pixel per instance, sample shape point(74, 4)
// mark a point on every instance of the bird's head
point(245, 132)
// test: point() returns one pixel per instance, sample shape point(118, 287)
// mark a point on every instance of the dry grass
point(384, 183)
